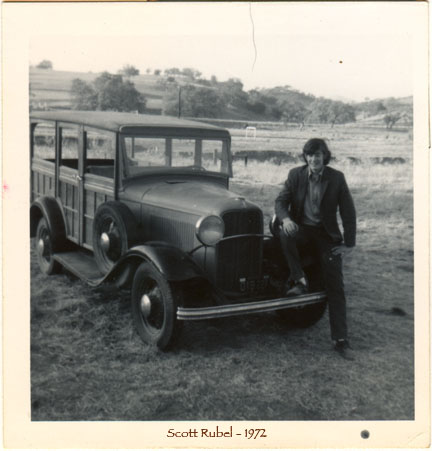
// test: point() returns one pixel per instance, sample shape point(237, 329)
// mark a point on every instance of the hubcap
point(105, 242)
point(145, 305)
point(41, 246)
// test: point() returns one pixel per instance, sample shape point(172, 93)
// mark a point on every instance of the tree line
point(187, 93)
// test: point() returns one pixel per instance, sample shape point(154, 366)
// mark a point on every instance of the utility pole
point(179, 101)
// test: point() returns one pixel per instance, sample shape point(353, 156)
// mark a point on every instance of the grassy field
point(88, 363)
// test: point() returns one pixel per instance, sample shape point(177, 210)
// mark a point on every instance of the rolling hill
point(50, 89)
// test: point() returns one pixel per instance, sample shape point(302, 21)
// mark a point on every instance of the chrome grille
point(240, 257)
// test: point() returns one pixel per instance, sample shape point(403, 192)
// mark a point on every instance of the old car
point(143, 202)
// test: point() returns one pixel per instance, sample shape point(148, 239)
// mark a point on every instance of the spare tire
point(114, 232)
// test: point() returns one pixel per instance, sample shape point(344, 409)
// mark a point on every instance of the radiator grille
point(240, 257)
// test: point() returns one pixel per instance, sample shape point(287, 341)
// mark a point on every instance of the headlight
point(210, 229)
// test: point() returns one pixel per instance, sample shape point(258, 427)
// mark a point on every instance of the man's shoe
point(298, 289)
point(343, 348)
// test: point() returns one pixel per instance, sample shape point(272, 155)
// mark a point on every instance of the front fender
point(172, 262)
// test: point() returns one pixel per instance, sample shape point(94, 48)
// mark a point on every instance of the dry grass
point(87, 362)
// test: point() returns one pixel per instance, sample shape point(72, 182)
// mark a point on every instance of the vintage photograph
point(221, 215)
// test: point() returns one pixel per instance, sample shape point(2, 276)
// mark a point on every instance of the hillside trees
point(84, 96)
point(391, 119)
point(194, 102)
point(45, 64)
point(188, 72)
point(129, 71)
point(332, 112)
point(371, 107)
point(191, 73)
point(294, 112)
point(232, 92)
point(108, 92)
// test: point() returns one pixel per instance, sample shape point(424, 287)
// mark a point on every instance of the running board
point(81, 265)
point(221, 311)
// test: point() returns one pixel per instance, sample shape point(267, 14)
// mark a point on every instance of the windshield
point(144, 152)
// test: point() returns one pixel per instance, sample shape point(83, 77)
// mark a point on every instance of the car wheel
point(302, 317)
point(154, 307)
point(112, 234)
point(44, 249)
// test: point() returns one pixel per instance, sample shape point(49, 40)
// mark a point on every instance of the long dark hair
point(315, 144)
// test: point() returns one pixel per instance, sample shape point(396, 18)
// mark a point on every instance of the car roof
point(126, 122)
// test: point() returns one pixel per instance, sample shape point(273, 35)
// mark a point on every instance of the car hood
point(195, 197)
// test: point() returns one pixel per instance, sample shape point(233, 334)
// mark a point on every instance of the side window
point(212, 155)
point(144, 152)
point(100, 153)
point(44, 141)
point(183, 152)
point(69, 147)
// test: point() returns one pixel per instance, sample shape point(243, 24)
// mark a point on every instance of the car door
point(99, 177)
point(70, 180)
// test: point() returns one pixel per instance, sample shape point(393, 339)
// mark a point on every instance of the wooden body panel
point(97, 190)
point(69, 200)
point(43, 179)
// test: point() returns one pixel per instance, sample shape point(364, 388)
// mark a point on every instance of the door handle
point(79, 178)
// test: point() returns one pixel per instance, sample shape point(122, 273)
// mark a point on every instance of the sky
point(343, 51)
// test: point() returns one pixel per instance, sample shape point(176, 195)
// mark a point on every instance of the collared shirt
point(311, 211)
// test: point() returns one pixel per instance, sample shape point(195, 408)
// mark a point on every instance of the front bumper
point(267, 305)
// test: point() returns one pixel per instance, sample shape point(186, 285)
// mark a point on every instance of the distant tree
point(294, 112)
point(257, 107)
point(203, 82)
point(129, 71)
point(195, 102)
point(341, 113)
point(391, 119)
point(148, 70)
point(84, 96)
point(108, 92)
point(328, 111)
point(191, 73)
point(371, 108)
point(172, 71)
point(379, 107)
point(45, 64)
point(213, 80)
point(157, 72)
point(233, 94)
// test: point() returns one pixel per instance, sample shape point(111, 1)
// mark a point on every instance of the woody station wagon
point(143, 202)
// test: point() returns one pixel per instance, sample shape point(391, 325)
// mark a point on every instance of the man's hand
point(289, 227)
point(342, 250)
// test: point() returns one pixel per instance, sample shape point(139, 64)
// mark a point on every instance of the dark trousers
point(318, 240)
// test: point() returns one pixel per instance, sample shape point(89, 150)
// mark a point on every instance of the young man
point(307, 211)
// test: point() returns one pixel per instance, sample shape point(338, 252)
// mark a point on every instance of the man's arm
point(282, 206)
point(348, 214)
point(284, 199)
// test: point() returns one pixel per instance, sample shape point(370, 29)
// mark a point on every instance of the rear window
point(44, 141)
point(69, 147)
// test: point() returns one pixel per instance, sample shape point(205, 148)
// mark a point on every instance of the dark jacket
point(335, 193)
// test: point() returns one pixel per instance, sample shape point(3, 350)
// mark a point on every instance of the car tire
point(113, 234)
point(303, 317)
point(154, 303)
point(44, 249)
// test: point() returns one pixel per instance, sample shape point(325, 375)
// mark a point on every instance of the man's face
point(316, 161)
